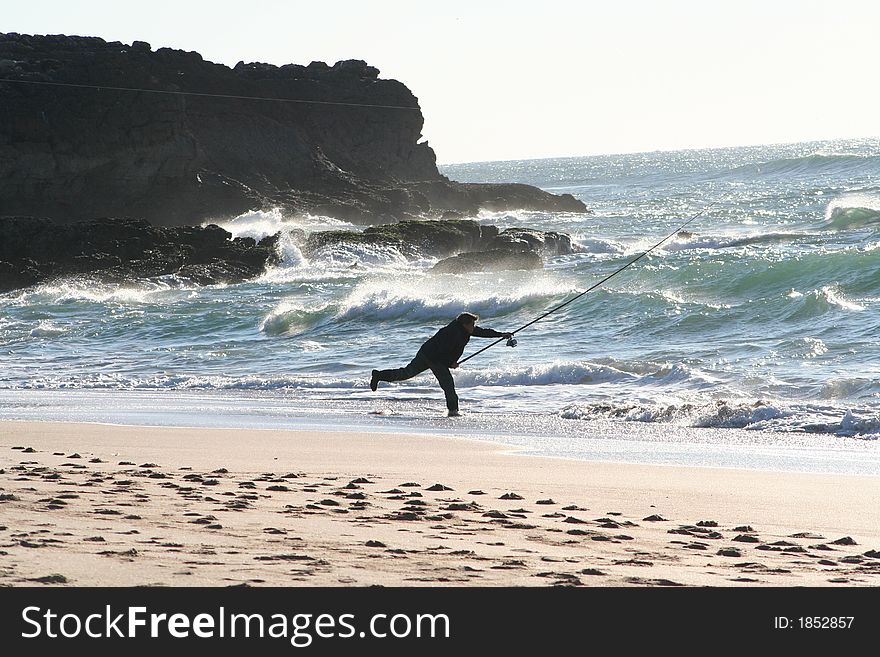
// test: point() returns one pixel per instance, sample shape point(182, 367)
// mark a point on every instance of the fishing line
point(512, 342)
point(206, 95)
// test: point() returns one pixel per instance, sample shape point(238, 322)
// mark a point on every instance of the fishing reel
point(511, 342)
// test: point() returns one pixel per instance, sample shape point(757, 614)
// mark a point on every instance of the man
point(439, 354)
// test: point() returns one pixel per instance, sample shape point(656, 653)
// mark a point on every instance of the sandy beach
point(90, 505)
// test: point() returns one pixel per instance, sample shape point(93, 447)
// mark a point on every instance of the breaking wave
point(818, 302)
point(46, 329)
point(852, 211)
point(422, 299)
point(751, 415)
point(813, 164)
point(291, 318)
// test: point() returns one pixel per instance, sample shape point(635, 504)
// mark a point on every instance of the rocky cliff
point(70, 153)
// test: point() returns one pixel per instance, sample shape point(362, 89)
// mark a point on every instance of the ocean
point(750, 340)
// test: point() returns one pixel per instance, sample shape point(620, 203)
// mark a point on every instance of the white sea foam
point(833, 296)
point(570, 373)
point(756, 415)
point(359, 256)
point(807, 348)
point(823, 300)
point(598, 245)
point(47, 329)
point(85, 289)
point(258, 224)
point(856, 422)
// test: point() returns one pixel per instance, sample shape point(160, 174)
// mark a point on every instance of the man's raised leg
point(416, 366)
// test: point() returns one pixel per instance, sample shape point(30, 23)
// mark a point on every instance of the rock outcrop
point(413, 239)
point(352, 151)
point(492, 260)
point(34, 250)
point(461, 244)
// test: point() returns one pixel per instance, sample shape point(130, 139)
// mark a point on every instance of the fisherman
point(440, 354)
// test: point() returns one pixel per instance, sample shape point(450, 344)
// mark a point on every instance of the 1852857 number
point(825, 622)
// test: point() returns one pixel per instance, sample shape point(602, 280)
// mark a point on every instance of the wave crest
point(852, 211)
point(812, 164)
point(818, 302)
point(290, 318)
point(757, 415)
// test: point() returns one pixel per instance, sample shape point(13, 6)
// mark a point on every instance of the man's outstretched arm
point(480, 332)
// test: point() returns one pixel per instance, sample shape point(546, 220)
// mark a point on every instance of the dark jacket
point(447, 345)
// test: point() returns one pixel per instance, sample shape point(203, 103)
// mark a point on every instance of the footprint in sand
point(50, 579)
point(591, 571)
point(745, 538)
point(729, 552)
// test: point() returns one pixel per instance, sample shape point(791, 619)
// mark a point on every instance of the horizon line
point(664, 150)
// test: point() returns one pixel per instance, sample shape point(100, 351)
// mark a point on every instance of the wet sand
point(90, 505)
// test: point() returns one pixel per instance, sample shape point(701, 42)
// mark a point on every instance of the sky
point(500, 80)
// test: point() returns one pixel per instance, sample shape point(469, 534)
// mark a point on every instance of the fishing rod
point(512, 342)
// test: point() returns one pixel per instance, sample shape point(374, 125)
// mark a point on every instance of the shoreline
point(100, 504)
point(531, 434)
point(503, 448)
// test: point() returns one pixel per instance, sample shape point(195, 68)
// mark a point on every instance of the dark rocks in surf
point(416, 238)
point(513, 248)
point(463, 245)
point(71, 153)
point(494, 260)
point(447, 196)
point(548, 243)
point(34, 250)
